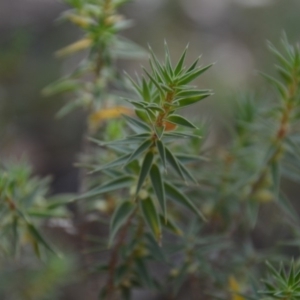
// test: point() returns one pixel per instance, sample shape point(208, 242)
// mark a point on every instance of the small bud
point(263, 196)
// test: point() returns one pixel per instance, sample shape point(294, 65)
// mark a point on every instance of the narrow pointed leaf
point(136, 104)
point(193, 65)
point(162, 153)
point(146, 166)
point(180, 198)
point(191, 100)
point(193, 75)
point(136, 138)
point(137, 123)
point(155, 250)
point(279, 56)
point(174, 163)
point(171, 226)
point(156, 83)
point(60, 87)
point(187, 173)
point(168, 59)
point(179, 66)
point(192, 93)
point(38, 237)
point(119, 218)
point(118, 162)
point(110, 186)
point(146, 91)
point(179, 120)
point(134, 85)
point(280, 87)
point(151, 217)
point(158, 187)
point(159, 131)
point(142, 148)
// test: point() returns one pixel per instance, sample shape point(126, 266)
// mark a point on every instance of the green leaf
point(158, 187)
point(180, 63)
point(136, 138)
point(143, 115)
point(190, 101)
point(154, 58)
point(137, 123)
point(154, 249)
point(123, 48)
point(273, 270)
point(70, 106)
point(186, 172)
point(166, 88)
point(39, 213)
point(171, 226)
point(287, 76)
point(154, 107)
point(186, 158)
point(168, 59)
point(60, 87)
point(134, 85)
point(192, 93)
point(146, 166)
point(180, 198)
point(146, 91)
point(280, 87)
point(181, 135)
point(284, 62)
point(176, 119)
point(38, 237)
point(59, 200)
point(193, 65)
point(119, 218)
point(151, 217)
point(174, 163)
point(188, 77)
point(162, 153)
point(136, 104)
point(142, 148)
point(156, 83)
point(159, 131)
point(110, 186)
point(118, 162)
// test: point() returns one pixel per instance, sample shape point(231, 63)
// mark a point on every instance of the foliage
point(163, 196)
point(283, 284)
point(23, 203)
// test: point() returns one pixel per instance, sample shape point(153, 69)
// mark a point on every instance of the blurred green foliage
point(238, 172)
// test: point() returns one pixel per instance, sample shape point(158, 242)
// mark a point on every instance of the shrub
point(170, 202)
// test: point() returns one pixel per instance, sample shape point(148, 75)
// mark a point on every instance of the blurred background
point(232, 33)
point(229, 32)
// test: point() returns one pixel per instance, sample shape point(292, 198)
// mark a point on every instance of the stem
point(280, 135)
point(113, 262)
point(160, 118)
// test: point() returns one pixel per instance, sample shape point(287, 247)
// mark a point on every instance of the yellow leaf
point(80, 21)
point(108, 113)
point(75, 47)
point(235, 288)
point(264, 196)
